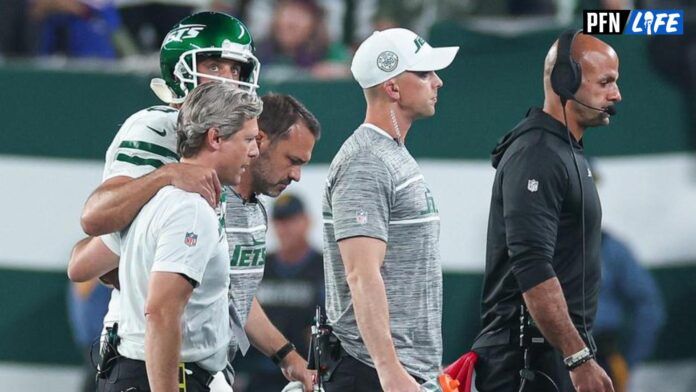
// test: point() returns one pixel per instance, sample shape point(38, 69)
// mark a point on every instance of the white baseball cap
point(388, 53)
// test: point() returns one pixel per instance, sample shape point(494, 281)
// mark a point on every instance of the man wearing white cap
point(381, 226)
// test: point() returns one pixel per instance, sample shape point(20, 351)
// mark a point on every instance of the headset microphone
point(610, 110)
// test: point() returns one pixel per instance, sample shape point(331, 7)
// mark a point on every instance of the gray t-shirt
point(245, 225)
point(375, 189)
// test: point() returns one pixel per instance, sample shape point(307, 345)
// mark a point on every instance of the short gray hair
point(213, 105)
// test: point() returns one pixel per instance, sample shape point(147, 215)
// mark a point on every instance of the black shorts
point(352, 375)
point(131, 375)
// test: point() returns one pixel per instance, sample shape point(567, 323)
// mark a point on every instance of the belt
point(186, 369)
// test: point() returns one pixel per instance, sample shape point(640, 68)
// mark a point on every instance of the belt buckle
point(182, 377)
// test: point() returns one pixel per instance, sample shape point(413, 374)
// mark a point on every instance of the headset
point(566, 75)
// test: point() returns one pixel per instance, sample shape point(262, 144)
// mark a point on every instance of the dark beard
point(259, 174)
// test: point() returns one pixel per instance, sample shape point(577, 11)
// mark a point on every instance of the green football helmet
point(201, 35)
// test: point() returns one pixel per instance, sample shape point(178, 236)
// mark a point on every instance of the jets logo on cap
point(419, 43)
point(387, 61)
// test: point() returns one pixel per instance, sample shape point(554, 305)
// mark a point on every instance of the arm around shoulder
point(91, 258)
point(116, 202)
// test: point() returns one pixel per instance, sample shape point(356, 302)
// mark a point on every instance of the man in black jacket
point(543, 247)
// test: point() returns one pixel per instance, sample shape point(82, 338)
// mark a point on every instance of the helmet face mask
point(205, 34)
point(187, 74)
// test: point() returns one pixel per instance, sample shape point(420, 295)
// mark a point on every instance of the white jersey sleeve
point(189, 233)
point(113, 242)
point(145, 142)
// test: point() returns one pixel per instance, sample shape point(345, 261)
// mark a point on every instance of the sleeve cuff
point(533, 273)
point(112, 241)
point(165, 266)
point(357, 232)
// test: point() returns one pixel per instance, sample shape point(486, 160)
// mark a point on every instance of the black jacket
point(535, 223)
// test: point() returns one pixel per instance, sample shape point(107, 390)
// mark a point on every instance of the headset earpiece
point(566, 75)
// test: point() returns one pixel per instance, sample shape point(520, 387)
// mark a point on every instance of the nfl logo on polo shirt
point(190, 239)
point(533, 185)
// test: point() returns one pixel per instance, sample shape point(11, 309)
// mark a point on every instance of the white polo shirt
point(177, 232)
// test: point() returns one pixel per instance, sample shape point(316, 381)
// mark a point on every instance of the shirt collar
point(252, 199)
point(378, 130)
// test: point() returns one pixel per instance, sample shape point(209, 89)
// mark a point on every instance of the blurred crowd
point(294, 37)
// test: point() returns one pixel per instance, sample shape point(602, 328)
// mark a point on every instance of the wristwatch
point(282, 353)
point(578, 358)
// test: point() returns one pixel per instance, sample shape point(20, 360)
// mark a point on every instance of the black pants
point(498, 369)
point(130, 375)
point(352, 375)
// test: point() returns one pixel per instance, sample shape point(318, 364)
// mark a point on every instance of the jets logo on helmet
point(183, 32)
point(201, 35)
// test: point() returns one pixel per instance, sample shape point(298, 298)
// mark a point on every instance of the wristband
point(282, 353)
point(577, 359)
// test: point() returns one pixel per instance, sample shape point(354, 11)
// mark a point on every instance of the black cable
point(526, 367)
point(525, 373)
point(91, 351)
point(548, 378)
point(582, 218)
point(108, 346)
point(522, 384)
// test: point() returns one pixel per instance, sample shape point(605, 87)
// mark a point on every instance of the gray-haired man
point(171, 333)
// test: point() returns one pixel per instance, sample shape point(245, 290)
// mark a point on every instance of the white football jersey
point(145, 142)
